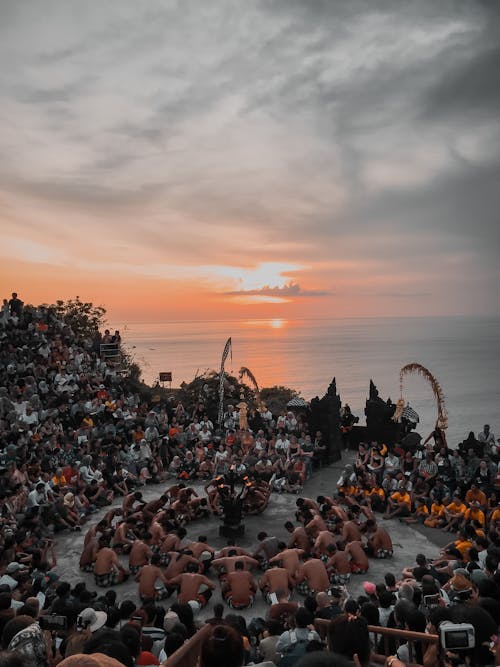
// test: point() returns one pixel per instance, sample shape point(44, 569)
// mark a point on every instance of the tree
point(84, 319)
point(277, 397)
point(205, 389)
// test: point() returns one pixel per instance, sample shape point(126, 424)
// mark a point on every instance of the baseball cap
point(15, 567)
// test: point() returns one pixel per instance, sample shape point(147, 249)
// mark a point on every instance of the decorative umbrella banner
point(411, 415)
point(297, 403)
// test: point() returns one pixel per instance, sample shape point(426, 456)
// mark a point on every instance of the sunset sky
point(267, 158)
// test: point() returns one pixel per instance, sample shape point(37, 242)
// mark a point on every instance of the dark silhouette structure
point(325, 417)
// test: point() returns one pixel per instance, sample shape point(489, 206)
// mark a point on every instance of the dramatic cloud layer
point(169, 155)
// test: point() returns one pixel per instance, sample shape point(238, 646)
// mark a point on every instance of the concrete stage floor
point(407, 540)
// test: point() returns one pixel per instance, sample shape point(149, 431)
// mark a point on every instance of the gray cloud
point(319, 130)
point(288, 290)
point(472, 89)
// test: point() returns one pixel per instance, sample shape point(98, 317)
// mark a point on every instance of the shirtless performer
point(90, 546)
point(314, 524)
point(350, 530)
point(173, 491)
point(275, 579)
point(124, 536)
point(379, 543)
point(239, 588)
point(152, 508)
point(172, 541)
point(232, 547)
point(334, 509)
point(148, 577)
point(254, 499)
point(140, 554)
point(359, 559)
point(108, 570)
point(290, 560)
point(198, 508)
point(192, 586)
point(227, 564)
point(305, 504)
point(179, 563)
point(128, 504)
point(298, 537)
point(202, 552)
point(312, 577)
point(338, 566)
point(212, 489)
point(181, 509)
point(158, 534)
point(323, 540)
point(266, 549)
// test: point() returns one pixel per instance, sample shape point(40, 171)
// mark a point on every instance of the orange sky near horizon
point(278, 160)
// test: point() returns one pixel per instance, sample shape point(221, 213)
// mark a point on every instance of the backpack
point(292, 653)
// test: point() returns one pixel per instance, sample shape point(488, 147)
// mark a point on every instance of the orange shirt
point(404, 498)
point(478, 495)
point(375, 491)
point(463, 546)
point(59, 481)
point(349, 490)
point(423, 510)
point(437, 509)
point(454, 508)
point(496, 515)
point(475, 514)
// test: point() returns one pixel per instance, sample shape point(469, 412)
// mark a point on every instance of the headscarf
point(30, 643)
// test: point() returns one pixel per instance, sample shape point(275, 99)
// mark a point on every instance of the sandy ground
point(407, 542)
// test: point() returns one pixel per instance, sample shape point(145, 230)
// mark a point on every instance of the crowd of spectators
point(74, 436)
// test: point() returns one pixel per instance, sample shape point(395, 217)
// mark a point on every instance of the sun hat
point(92, 619)
point(460, 583)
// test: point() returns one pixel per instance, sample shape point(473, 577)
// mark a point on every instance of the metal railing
point(111, 353)
point(392, 639)
point(188, 654)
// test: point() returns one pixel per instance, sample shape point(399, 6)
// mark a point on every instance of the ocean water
point(461, 353)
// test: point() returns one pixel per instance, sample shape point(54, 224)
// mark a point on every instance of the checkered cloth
point(411, 415)
point(302, 588)
point(340, 579)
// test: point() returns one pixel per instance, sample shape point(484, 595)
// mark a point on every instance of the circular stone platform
point(407, 540)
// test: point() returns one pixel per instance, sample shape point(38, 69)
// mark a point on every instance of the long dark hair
point(224, 646)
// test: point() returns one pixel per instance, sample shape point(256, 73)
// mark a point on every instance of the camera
point(53, 622)
point(460, 596)
point(457, 636)
point(431, 600)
